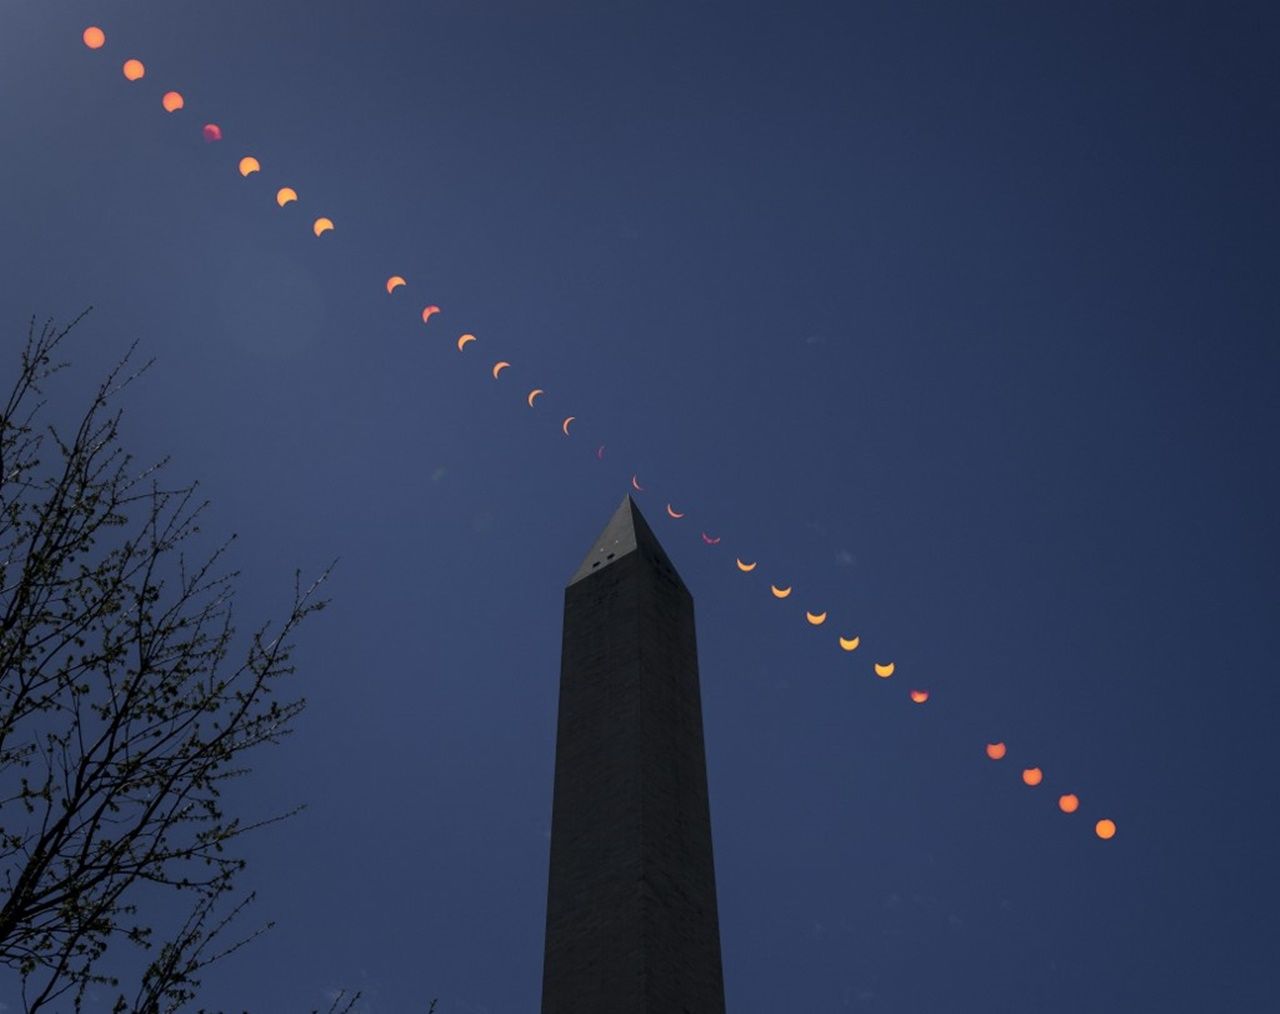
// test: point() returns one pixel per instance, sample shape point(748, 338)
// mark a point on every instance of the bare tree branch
point(122, 714)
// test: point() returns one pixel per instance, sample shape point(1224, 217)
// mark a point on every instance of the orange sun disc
point(322, 225)
point(427, 311)
point(746, 568)
point(212, 132)
point(248, 165)
point(498, 367)
point(133, 70)
point(850, 643)
point(393, 283)
point(285, 195)
point(817, 619)
point(1069, 803)
point(172, 102)
point(94, 37)
point(780, 593)
point(919, 696)
point(1105, 829)
point(463, 340)
point(995, 751)
point(1033, 776)
point(884, 671)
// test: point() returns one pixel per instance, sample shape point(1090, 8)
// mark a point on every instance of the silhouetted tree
point(122, 711)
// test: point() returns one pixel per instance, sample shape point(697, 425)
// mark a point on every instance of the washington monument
point(632, 926)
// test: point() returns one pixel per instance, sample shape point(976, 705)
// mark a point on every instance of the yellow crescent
point(248, 165)
point(427, 311)
point(635, 484)
point(394, 282)
point(286, 194)
point(780, 593)
point(322, 225)
point(850, 643)
point(746, 568)
point(817, 619)
point(565, 425)
point(672, 512)
point(464, 339)
point(498, 367)
point(885, 670)
point(533, 394)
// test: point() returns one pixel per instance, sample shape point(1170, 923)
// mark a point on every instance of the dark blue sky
point(961, 318)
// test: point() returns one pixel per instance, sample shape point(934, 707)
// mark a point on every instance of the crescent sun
point(780, 593)
point(672, 512)
point(817, 619)
point(884, 671)
point(565, 425)
point(746, 568)
point(850, 643)
point(709, 540)
point(464, 339)
point(498, 367)
point(394, 282)
point(427, 311)
point(533, 394)
point(635, 484)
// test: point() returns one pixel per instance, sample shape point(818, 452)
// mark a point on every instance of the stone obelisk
point(632, 926)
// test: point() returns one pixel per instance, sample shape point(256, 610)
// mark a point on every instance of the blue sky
point(961, 319)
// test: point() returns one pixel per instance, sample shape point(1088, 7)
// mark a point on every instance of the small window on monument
point(609, 557)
